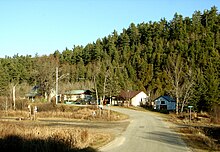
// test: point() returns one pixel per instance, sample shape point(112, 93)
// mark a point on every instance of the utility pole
point(13, 96)
point(57, 85)
point(96, 92)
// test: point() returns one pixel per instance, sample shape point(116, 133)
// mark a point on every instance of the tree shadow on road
point(170, 138)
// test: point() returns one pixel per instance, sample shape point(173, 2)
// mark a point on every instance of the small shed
point(165, 103)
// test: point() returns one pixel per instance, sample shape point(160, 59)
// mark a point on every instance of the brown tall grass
point(31, 136)
point(197, 139)
point(42, 138)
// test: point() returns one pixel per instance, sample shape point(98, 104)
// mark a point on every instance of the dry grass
point(76, 137)
point(45, 138)
point(197, 140)
point(100, 139)
point(198, 133)
point(85, 114)
point(32, 135)
point(68, 112)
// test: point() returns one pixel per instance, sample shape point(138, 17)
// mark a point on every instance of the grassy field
point(18, 131)
point(20, 136)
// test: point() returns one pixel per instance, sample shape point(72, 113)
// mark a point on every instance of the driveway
point(146, 133)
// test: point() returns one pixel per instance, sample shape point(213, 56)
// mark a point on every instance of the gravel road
point(146, 133)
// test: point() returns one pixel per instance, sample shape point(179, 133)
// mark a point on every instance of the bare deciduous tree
point(46, 68)
point(186, 89)
point(180, 78)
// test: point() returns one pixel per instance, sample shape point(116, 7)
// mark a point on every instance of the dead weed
point(72, 138)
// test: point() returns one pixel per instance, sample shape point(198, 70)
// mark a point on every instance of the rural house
point(77, 95)
point(134, 98)
point(33, 93)
point(165, 103)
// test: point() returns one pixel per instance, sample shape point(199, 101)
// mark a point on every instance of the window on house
point(162, 102)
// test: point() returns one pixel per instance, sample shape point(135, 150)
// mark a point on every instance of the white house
point(134, 98)
point(164, 103)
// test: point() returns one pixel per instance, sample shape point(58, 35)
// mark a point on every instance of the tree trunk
point(13, 96)
point(56, 94)
point(182, 106)
point(50, 96)
point(6, 106)
point(104, 85)
point(177, 105)
point(96, 92)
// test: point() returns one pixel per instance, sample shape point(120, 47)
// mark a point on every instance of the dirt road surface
point(146, 133)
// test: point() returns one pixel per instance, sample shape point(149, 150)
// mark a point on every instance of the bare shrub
point(203, 114)
point(45, 107)
point(5, 103)
point(21, 104)
point(197, 138)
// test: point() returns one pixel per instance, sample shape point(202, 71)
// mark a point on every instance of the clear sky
point(43, 26)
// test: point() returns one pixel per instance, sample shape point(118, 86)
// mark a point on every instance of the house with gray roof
point(33, 93)
point(77, 95)
point(164, 103)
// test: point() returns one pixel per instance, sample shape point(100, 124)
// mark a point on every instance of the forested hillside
point(180, 57)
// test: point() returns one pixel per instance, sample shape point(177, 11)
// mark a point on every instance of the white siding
point(141, 97)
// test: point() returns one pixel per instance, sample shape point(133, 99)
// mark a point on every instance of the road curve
point(146, 133)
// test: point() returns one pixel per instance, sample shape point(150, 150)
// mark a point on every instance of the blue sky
point(43, 26)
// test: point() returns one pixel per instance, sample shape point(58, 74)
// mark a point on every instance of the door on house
point(163, 107)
